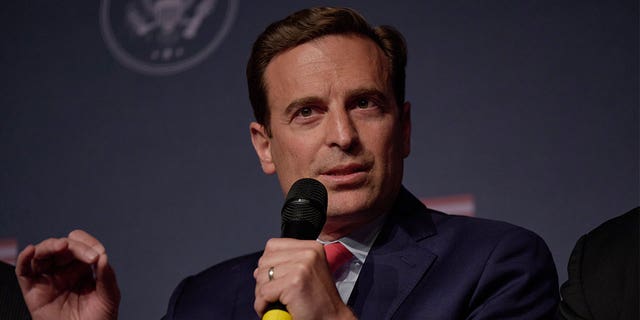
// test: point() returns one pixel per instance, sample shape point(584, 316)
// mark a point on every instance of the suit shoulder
point(472, 233)
point(612, 247)
point(483, 228)
point(231, 270)
point(224, 289)
point(621, 230)
point(231, 267)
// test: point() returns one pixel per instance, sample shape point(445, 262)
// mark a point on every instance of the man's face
point(333, 117)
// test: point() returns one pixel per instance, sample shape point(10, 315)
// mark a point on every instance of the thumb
point(107, 285)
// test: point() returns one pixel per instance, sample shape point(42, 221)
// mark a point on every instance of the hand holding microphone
point(292, 278)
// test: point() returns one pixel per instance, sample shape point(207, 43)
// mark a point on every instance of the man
point(328, 97)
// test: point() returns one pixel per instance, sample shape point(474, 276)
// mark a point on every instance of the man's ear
point(406, 129)
point(262, 145)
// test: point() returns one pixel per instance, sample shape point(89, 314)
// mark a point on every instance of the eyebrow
point(295, 104)
point(371, 92)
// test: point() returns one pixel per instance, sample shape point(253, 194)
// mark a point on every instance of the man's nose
point(341, 131)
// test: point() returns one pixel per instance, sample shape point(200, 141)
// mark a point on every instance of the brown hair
point(309, 24)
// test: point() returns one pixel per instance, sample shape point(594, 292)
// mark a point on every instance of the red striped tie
point(337, 255)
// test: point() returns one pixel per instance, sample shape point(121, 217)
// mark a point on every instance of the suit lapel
point(396, 262)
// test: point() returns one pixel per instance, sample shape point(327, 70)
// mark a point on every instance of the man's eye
point(363, 103)
point(305, 112)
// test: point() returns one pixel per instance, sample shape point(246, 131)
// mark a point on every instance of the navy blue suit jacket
point(423, 265)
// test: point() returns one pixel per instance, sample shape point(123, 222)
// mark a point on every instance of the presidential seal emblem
point(163, 37)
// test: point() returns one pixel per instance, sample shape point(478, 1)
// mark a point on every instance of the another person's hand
point(301, 281)
point(68, 278)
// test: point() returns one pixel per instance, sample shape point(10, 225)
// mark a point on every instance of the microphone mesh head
point(305, 206)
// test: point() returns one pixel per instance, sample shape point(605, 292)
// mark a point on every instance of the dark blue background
point(532, 106)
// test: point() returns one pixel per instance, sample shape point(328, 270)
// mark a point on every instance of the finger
point(50, 247)
point(76, 275)
point(55, 253)
point(261, 274)
point(259, 306)
point(310, 253)
point(46, 253)
point(89, 240)
point(280, 244)
point(23, 265)
point(106, 283)
point(265, 294)
point(83, 252)
point(75, 252)
point(275, 245)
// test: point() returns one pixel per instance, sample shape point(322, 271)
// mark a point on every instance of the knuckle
point(311, 255)
point(75, 233)
point(99, 248)
point(257, 305)
point(298, 280)
point(261, 262)
point(261, 292)
point(302, 271)
point(271, 243)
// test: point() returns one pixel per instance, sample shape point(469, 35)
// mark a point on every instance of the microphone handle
point(276, 311)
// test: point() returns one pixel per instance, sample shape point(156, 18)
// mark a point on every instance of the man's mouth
point(344, 170)
point(345, 175)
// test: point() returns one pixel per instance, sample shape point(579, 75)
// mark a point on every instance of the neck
point(341, 226)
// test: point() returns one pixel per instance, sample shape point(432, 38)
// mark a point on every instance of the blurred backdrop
point(129, 119)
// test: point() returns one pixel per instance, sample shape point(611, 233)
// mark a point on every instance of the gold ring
point(270, 273)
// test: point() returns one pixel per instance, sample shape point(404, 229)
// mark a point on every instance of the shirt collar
point(361, 241)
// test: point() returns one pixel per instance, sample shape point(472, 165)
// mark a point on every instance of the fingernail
point(91, 255)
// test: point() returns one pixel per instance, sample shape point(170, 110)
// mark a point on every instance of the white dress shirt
point(358, 243)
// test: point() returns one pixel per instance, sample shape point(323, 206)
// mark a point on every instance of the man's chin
point(344, 203)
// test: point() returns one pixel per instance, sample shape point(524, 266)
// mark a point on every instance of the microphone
point(303, 215)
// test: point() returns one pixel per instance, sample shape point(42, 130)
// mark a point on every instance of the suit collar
point(397, 260)
point(411, 215)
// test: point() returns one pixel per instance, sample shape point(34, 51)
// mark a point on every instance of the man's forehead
point(319, 47)
point(327, 60)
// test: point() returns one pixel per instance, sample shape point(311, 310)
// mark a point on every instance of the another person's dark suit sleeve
point(12, 306)
point(603, 273)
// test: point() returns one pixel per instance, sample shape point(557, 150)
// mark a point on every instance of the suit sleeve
point(574, 305)
point(175, 296)
point(519, 280)
point(224, 291)
point(12, 305)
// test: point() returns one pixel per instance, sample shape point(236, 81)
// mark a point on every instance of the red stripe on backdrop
point(459, 204)
point(8, 250)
